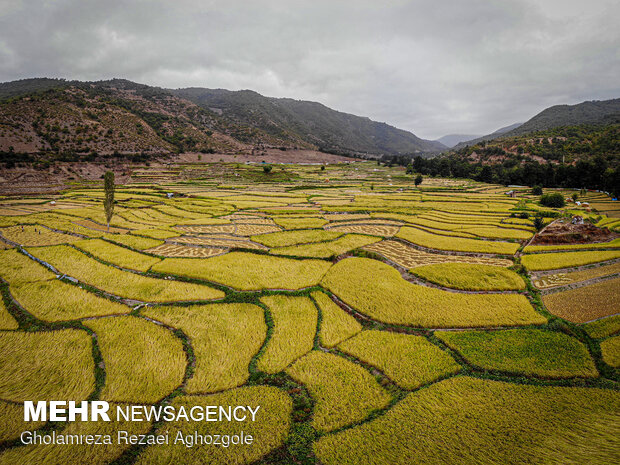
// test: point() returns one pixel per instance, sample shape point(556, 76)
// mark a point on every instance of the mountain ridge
point(247, 119)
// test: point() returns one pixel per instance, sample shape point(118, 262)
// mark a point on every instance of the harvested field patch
point(525, 351)
point(117, 255)
point(29, 235)
point(47, 365)
point(225, 337)
point(560, 279)
point(287, 238)
point(207, 229)
point(228, 242)
point(344, 392)
point(143, 361)
point(436, 241)
point(269, 431)
point(249, 271)
point(611, 351)
point(177, 250)
point(255, 229)
point(410, 257)
point(327, 249)
point(410, 361)
point(122, 283)
point(585, 303)
point(336, 324)
point(471, 277)
point(294, 320)
point(59, 301)
point(468, 420)
point(391, 299)
point(369, 229)
point(552, 261)
point(614, 244)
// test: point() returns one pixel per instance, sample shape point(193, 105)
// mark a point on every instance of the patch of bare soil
point(565, 232)
point(271, 156)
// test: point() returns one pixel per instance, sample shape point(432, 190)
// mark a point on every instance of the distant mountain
point(493, 135)
point(593, 112)
point(451, 140)
point(311, 123)
point(41, 115)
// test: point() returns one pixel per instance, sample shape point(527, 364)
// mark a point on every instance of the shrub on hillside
point(553, 200)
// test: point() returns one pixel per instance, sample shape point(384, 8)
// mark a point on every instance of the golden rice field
point(586, 303)
point(410, 257)
point(373, 321)
point(561, 279)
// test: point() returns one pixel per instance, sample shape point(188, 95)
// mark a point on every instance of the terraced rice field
point(410, 257)
point(372, 321)
point(586, 303)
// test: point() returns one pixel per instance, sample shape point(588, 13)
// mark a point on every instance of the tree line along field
point(373, 321)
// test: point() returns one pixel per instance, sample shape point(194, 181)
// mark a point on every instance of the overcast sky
point(428, 66)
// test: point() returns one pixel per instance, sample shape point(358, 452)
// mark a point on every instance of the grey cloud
point(431, 67)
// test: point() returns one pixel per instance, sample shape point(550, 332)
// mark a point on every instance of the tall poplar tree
point(108, 202)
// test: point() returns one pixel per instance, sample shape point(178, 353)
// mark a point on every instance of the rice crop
point(410, 361)
point(525, 351)
point(218, 241)
point(610, 349)
point(12, 421)
point(248, 271)
point(391, 299)
point(561, 279)
point(62, 454)
point(344, 392)
point(117, 255)
point(155, 233)
point(613, 244)
point(59, 301)
point(336, 324)
point(471, 277)
point(294, 320)
point(143, 361)
point(469, 420)
point(177, 250)
point(6, 320)
point(368, 229)
point(585, 303)
point(436, 241)
point(208, 229)
point(552, 261)
point(48, 365)
point(327, 249)
point(34, 235)
point(287, 238)
point(269, 430)
point(17, 268)
point(410, 257)
point(224, 337)
point(122, 283)
point(300, 223)
point(134, 242)
point(603, 327)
